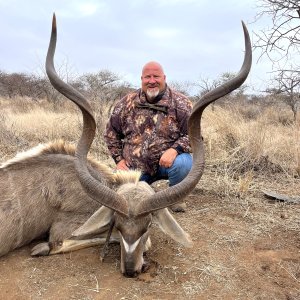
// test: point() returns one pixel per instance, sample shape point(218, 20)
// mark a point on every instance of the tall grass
point(241, 148)
point(25, 123)
point(242, 141)
point(260, 144)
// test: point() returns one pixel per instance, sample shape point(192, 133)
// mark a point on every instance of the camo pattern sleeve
point(114, 136)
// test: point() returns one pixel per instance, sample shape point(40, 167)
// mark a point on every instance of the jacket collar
point(162, 99)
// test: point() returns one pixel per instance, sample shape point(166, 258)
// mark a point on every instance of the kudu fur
point(72, 198)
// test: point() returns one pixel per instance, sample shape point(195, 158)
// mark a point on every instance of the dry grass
point(242, 142)
point(25, 123)
point(244, 246)
point(40, 125)
point(240, 149)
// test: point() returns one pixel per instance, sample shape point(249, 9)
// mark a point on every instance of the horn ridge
point(95, 189)
point(178, 192)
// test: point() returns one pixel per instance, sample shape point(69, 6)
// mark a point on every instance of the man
point(148, 131)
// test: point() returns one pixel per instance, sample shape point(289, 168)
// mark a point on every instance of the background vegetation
point(245, 246)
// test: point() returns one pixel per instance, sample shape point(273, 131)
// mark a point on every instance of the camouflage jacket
point(141, 134)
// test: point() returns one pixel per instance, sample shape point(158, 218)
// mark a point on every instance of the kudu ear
point(95, 223)
point(169, 226)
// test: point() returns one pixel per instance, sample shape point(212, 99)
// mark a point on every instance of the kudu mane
point(43, 152)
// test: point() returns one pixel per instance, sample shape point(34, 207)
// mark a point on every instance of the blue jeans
point(176, 173)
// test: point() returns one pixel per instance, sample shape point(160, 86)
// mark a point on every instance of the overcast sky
point(192, 39)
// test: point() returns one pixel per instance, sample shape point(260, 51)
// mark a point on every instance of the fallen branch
point(283, 198)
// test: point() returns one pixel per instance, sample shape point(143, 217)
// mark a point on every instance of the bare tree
point(16, 84)
point(205, 85)
point(224, 77)
point(102, 87)
point(287, 86)
point(184, 87)
point(99, 85)
point(282, 38)
point(2, 85)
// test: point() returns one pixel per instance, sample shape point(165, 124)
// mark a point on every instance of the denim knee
point(147, 178)
point(180, 168)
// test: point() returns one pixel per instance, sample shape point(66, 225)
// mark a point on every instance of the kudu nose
point(130, 269)
point(130, 273)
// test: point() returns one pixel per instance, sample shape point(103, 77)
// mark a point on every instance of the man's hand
point(168, 158)
point(121, 165)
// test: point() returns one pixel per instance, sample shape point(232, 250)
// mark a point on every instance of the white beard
point(152, 93)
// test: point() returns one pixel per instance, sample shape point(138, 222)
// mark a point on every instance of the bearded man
point(148, 131)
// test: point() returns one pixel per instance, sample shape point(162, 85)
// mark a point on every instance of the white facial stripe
point(132, 247)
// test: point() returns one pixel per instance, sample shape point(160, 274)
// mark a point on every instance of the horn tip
point(54, 22)
point(243, 24)
point(246, 32)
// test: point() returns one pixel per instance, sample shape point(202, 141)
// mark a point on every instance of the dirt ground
point(243, 249)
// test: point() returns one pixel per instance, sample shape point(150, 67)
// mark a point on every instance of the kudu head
point(135, 205)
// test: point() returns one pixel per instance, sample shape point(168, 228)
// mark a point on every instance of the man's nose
point(152, 79)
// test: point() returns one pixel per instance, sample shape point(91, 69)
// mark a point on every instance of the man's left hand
point(168, 158)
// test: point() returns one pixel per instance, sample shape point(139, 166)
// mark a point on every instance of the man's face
point(153, 80)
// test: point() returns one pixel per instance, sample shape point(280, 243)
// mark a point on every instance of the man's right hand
point(121, 165)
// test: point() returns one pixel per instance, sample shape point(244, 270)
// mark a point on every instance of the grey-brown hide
point(40, 193)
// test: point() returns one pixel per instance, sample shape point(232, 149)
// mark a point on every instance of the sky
point(192, 39)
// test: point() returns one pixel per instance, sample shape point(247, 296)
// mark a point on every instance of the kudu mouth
point(130, 273)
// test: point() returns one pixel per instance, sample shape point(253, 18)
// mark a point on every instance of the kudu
point(77, 215)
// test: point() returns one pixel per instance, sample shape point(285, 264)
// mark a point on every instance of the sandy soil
point(243, 249)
